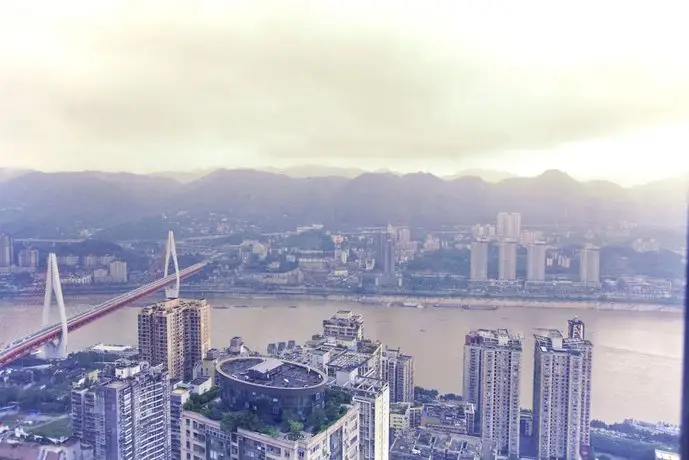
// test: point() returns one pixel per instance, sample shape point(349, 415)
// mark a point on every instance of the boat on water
point(410, 304)
point(292, 306)
point(241, 306)
point(450, 305)
point(221, 307)
point(479, 307)
point(366, 301)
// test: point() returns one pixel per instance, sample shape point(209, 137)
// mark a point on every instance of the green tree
point(295, 430)
point(241, 419)
point(317, 418)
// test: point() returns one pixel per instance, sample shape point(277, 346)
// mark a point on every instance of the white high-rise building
point(535, 263)
point(479, 260)
point(118, 271)
point(509, 225)
point(398, 371)
point(6, 250)
point(507, 261)
point(589, 264)
point(515, 225)
point(373, 397)
point(503, 223)
point(492, 369)
point(28, 258)
point(126, 416)
point(562, 392)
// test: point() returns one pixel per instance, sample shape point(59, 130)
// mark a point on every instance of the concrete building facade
point(562, 392)
point(6, 250)
point(398, 371)
point(589, 264)
point(344, 325)
point(373, 398)
point(175, 333)
point(535, 262)
point(492, 369)
point(509, 225)
point(126, 415)
point(507, 260)
point(479, 260)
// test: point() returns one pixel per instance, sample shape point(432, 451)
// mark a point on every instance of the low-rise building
point(456, 417)
point(344, 325)
point(71, 449)
point(424, 444)
point(405, 415)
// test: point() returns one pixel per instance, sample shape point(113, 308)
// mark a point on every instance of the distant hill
point(299, 172)
point(316, 171)
point(58, 203)
point(485, 174)
point(35, 201)
point(183, 177)
point(10, 173)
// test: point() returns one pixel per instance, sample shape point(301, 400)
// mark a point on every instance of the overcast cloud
point(109, 85)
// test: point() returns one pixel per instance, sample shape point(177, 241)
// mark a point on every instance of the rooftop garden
point(207, 404)
point(287, 424)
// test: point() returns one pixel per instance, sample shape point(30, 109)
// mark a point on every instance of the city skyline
point(411, 90)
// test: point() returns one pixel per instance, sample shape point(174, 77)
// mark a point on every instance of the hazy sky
point(597, 88)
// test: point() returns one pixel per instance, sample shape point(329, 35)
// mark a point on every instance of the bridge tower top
point(53, 286)
point(171, 253)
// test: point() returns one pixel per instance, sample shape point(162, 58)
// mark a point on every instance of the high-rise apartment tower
point(509, 225)
point(562, 392)
point(589, 264)
point(492, 369)
point(175, 333)
point(126, 415)
point(535, 262)
point(398, 371)
point(507, 260)
point(479, 260)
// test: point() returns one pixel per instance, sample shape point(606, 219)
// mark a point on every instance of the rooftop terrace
point(553, 340)
point(348, 360)
point(494, 338)
point(422, 443)
point(456, 417)
point(344, 318)
point(271, 372)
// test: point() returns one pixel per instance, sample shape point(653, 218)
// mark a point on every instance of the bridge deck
point(26, 345)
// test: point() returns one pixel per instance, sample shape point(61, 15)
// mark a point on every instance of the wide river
point(637, 355)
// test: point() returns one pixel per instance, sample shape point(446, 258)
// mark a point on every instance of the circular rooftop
point(271, 373)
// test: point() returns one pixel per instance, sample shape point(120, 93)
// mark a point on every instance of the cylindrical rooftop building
point(271, 387)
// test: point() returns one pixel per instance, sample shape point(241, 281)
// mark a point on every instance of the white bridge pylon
point(171, 252)
point(54, 350)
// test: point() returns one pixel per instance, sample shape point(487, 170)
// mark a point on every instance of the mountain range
point(33, 202)
point(306, 171)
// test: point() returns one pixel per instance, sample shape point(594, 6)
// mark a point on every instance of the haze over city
point(329, 230)
point(517, 87)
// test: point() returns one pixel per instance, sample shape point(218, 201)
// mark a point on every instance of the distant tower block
point(171, 251)
point(53, 350)
point(576, 329)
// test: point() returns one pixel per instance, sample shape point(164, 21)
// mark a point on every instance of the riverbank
point(466, 303)
point(401, 300)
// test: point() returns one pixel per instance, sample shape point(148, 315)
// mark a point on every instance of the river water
point(636, 361)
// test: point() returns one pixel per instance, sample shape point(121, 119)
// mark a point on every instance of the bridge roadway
point(26, 345)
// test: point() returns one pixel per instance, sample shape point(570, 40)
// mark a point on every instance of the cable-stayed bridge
point(52, 338)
